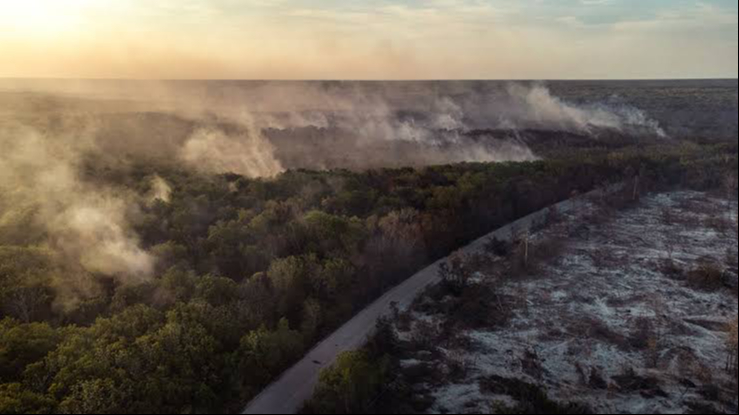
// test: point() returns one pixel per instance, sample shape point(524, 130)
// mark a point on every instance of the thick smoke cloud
point(259, 129)
point(85, 226)
point(214, 150)
point(536, 107)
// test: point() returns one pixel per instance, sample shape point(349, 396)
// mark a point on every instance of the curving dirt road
point(288, 394)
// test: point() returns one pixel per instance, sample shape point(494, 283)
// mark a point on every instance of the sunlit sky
point(383, 39)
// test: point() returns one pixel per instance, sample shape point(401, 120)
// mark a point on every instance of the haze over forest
point(332, 206)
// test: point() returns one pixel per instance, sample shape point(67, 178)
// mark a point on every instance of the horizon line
point(369, 79)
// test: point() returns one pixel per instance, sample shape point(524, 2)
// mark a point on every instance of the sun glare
point(42, 17)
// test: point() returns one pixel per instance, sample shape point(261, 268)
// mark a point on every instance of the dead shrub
point(671, 269)
point(596, 329)
point(707, 276)
point(719, 223)
point(479, 264)
point(480, 306)
point(531, 364)
point(554, 216)
point(403, 319)
point(647, 339)
point(458, 365)
point(455, 274)
point(425, 335)
point(423, 373)
point(497, 247)
point(467, 306)
point(548, 250)
point(648, 387)
point(642, 333)
point(733, 348)
point(601, 259)
point(619, 200)
point(431, 300)
point(711, 392)
point(530, 258)
point(667, 216)
point(603, 215)
point(531, 398)
point(596, 380)
point(731, 259)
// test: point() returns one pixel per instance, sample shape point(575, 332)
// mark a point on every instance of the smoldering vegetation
point(52, 131)
point(261, 129)
point(46, 204)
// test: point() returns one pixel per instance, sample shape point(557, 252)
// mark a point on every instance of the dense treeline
point(251, 273)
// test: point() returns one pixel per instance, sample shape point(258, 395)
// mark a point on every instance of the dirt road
point(288, 394)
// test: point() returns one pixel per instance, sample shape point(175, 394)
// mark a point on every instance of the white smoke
point(160, 190)
point(229, 126)
point(86, 225)
point(248, 154)
point(537, 107)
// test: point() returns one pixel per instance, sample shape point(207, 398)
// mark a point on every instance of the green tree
point(350, 385)
point(331, 278)
point(216, 290)
point(178, 285)
point(25, 275)
point(290, 278)
point(312, 319)
point(96, 396)
point(22, 345)
point(264, 354)
point(331, 235)
point(16, 400)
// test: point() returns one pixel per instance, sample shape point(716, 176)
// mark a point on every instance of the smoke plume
point(247, 153)
point(160, 190)
point(85, 225)
point(537, 107)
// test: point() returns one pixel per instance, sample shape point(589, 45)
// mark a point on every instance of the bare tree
point(24, 303)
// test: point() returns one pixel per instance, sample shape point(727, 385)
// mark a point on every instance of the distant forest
point(253, 272)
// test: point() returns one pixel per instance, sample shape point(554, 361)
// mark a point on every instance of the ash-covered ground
point(615, 312)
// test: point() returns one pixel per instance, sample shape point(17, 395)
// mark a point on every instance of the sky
point(380, 39)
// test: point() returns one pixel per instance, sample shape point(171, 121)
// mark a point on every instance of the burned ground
point(632, 315)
